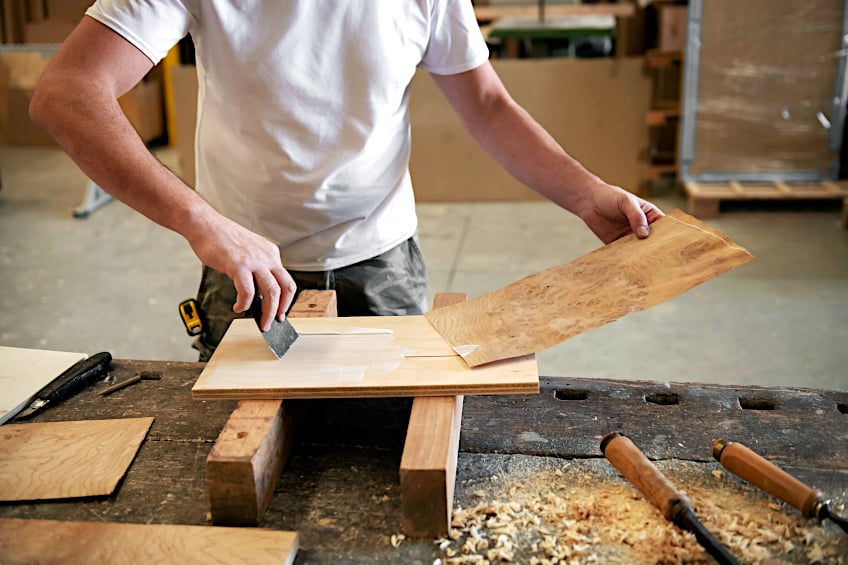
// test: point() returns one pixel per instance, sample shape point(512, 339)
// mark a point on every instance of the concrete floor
point(113, 281)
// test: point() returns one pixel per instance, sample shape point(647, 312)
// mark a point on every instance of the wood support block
point(246, 461)
point(315, 304)
point(428, 465)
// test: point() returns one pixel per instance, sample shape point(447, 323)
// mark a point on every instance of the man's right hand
point(249, 259)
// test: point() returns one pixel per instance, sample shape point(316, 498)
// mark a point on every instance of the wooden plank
point(428, 465)
point(55, 541)
point(242, 367)
point(623, 277)
point(246, 461)
point(67, 459)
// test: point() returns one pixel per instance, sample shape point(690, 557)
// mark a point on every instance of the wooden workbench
point(340, 488)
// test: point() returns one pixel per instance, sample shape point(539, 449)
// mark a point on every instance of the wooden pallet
point(705, 199)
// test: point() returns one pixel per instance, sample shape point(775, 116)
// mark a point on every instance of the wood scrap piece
point(623, 277)
point(67, 459)
point(71, 543)
point(428, 465)
point(245, 463)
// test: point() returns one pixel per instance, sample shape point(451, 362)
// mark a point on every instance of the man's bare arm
point(76, 101)
point(513, 138)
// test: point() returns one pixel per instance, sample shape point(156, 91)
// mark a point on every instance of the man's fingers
point(636, 218)
point(244, 291)
point(288, 288)
point(269, 290)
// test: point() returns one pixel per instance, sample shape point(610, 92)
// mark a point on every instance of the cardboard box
point(144, 106)
point(595, 109)
point(48, 31)
point(19, 72)
point(69, 10)
point(184, 83)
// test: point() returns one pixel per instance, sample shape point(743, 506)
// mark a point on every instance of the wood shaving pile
point(577, 518)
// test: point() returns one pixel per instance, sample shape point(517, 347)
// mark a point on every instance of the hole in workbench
point(842, 407)
point(757, 404)
point(571, 394)
point(663, 398)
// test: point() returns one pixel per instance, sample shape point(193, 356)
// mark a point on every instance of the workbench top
point(340, 489)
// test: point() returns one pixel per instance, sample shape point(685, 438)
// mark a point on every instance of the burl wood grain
point(67, 459)
point(600, 287)
point(83, 543)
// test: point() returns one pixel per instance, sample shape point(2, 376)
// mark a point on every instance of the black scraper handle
point(75, 378)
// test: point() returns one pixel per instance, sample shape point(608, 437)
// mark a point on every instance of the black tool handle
point(76, 377)
point(760, 472)
point(639, 470)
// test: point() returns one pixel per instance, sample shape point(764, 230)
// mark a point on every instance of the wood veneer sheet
point(375, 356)
point(67, 459)
point(83, 543)
point(625, 276)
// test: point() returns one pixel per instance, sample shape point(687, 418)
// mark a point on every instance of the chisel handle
point(760, 472)
point(638, 469)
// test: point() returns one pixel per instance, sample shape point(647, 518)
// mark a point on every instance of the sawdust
point(576, 515)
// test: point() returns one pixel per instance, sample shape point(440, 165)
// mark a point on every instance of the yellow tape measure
point(191, 316)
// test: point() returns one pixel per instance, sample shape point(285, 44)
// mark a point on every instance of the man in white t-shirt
point(302, 140)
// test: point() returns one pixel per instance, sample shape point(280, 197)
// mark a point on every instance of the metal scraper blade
point(281, 336)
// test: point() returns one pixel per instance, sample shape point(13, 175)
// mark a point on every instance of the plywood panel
point(243, 367)
point(67, 459)
point(72, 543)
point(595, 109)
point(623, 277)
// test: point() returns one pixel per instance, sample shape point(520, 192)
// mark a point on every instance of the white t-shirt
point(303, 121)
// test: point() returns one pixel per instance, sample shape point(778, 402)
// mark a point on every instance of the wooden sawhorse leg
point(428, 465)
point(245, 463)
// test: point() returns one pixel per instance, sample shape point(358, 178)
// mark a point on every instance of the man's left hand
point(612, 212)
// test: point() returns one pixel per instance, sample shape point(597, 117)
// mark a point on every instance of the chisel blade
point(280, 336)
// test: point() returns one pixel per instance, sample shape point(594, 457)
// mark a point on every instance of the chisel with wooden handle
point(764, 474)
point(674, 505)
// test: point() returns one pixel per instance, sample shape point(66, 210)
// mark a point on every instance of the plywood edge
point(369, 392)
